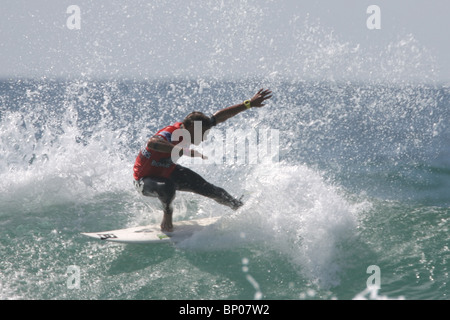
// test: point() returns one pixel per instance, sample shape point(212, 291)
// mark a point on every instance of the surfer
point(157, 175)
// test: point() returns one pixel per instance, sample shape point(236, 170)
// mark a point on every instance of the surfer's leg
point(162, 188)
point(187, 180)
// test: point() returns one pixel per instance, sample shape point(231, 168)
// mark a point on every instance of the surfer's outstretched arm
point(255, 102)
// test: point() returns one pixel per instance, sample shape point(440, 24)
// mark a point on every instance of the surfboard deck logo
point(105, 236)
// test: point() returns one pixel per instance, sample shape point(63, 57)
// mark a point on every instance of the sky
point(301, 39)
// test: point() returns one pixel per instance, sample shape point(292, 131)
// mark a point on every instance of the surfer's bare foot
point(237, 203)
point(166, 224)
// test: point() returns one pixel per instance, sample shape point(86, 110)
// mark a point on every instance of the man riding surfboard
point(156, 173)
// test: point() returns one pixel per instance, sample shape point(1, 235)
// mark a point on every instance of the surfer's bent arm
point(255, 102)
point(161, 145)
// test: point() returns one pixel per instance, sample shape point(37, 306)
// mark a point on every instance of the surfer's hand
point(259, 97)
point(195, 154)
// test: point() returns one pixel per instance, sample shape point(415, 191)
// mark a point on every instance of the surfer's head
point(194, 122)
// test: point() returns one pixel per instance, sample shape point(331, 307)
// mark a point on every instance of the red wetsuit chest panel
point(155, 163)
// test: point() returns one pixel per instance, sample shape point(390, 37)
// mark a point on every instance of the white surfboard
point(153, 233)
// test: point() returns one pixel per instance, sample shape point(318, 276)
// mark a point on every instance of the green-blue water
point(363, 179)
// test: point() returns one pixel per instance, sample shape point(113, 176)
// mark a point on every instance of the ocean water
point(362, 179)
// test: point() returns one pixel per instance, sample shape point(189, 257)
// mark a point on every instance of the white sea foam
point(292, 210)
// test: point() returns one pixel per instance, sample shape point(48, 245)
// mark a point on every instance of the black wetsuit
point(183, 179)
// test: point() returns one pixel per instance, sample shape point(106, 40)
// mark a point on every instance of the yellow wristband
point(247, 104)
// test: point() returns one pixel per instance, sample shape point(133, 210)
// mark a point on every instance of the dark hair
point(197, 116)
